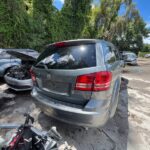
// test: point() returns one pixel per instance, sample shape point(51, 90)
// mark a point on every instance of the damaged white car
point(18, 78)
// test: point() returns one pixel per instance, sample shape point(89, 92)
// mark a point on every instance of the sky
point(144, 8)
point(142, 5)
point(58, 3)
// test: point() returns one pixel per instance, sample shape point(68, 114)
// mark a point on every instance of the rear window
point(70, 57)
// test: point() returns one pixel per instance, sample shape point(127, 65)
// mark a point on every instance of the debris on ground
point(128, 130)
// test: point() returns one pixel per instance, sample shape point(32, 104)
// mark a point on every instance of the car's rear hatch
point(59, 65)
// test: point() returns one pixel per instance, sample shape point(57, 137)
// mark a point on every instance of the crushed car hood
point(24, 54)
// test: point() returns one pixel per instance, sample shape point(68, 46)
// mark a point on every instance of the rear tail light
point(33, 77)
point(99, 81)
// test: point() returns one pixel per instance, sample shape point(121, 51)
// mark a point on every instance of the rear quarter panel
point(115, 68)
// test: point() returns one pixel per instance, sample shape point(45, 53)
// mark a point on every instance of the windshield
point(131, 55)
point(70, 57)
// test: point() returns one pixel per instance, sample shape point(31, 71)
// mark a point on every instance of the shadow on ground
point(114, 135)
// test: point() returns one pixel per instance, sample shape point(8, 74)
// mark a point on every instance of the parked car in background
point(78, 81)
point(7, 62)
point(18, 78)
point(130, 58)
point(147, 56)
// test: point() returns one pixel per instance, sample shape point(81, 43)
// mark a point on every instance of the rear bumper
point(90, 116)
point(18, 85)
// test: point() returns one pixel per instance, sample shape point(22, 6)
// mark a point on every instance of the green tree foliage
point(74, 16)
point(134, 30)
point(102, 18)
point(14, 24)
point(125, 30)
point(35, 23)
point(146, 48)
point(42, 23)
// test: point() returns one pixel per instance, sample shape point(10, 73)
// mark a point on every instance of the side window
point(118, 57)
point(109, 54)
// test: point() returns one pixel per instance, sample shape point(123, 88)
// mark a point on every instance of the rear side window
point(109, 54)
point(70, 57)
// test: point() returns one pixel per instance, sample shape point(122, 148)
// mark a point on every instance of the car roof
point(77, 41)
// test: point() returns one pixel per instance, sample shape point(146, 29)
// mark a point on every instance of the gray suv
point(78, 81)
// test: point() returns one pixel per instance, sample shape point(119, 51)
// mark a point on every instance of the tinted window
point(109, 54)
point(72, 57)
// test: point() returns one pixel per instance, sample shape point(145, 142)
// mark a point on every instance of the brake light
point(60, 44)
point(33, 77)
point(98, 81)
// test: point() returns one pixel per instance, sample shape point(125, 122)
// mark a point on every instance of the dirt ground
point(128, 130)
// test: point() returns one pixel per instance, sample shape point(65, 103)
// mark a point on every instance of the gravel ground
point(128, 130)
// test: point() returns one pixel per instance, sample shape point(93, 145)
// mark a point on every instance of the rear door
point(59, 67)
